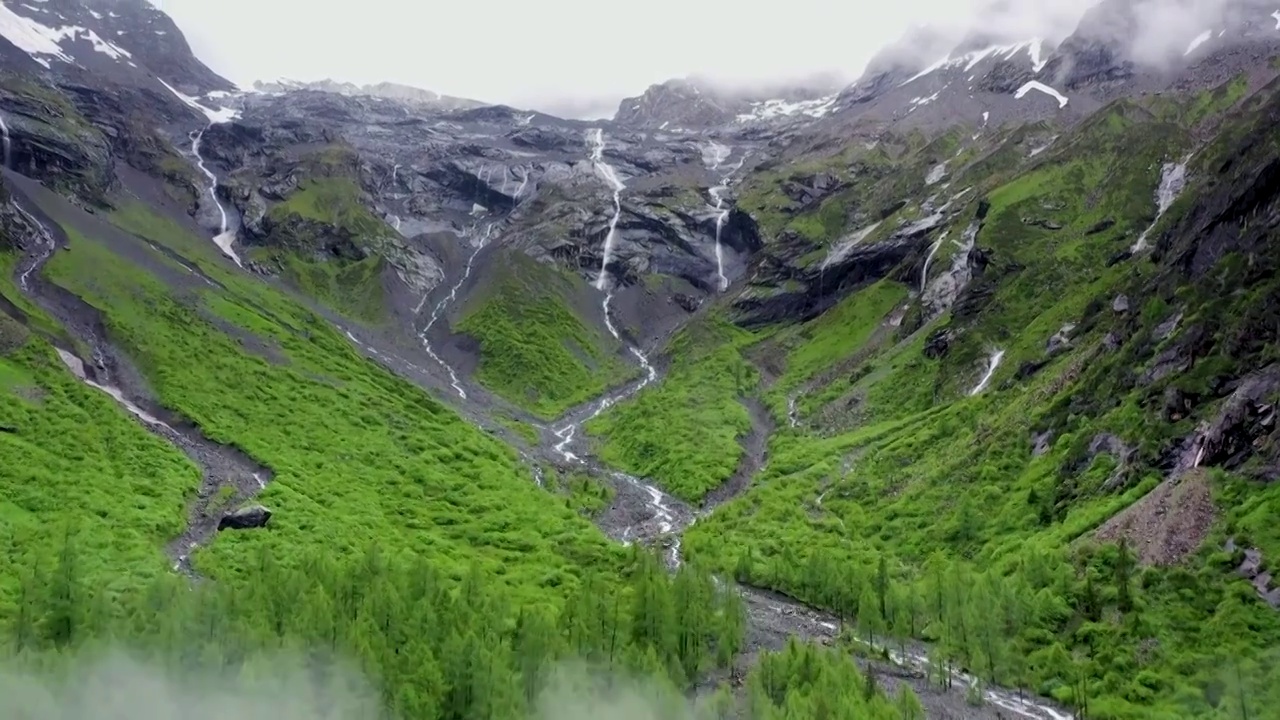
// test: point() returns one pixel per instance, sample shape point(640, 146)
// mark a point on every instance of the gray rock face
point(247, 518)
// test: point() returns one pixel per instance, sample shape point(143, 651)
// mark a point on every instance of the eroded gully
point(229, 477)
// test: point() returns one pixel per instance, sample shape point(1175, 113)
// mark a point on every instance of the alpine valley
point(948, 393)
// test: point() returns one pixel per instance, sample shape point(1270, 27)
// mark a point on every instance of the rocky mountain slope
point(966, 368)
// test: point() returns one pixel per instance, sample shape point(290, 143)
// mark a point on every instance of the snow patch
point(110, 49)
point(1276, 16)
point(971, 59)
point(936, 173)
point(1199, 40)
point(35, 39)
point(770, 109)
point(1036, 85)
point(221, 115)
point(31, 37)
point(922, 101)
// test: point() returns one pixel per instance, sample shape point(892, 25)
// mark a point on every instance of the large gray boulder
point(246, 518)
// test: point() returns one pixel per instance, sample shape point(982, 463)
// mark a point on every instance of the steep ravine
point(229, 477)
point(643, 513)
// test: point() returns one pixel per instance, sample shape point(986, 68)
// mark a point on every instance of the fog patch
point(576, 691)
point(115, 685)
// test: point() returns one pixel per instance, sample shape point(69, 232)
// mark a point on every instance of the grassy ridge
point(683, 433)
point(927, 482)
point(360, 456)
point(534, 349)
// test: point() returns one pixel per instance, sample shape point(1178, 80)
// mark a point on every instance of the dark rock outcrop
point(247, 518)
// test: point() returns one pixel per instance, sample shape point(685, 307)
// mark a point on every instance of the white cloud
point(588, 54)
point(521, 52)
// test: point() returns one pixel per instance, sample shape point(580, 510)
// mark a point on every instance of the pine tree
point(869, 619)
point(534, 645)
point(63, 600)
point(882, 587)
point(1123, 576)
point(908, 703)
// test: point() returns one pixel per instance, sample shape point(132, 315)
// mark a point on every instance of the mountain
point(404, 405)
point(696, 105)
point(387, 90)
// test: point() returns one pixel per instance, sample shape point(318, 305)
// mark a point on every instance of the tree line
point(432, 644)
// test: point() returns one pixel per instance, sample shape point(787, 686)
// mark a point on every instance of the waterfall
point(714, 155)
point(610, 176)
point(224, 238)
point(24, 278)
point(8, 144)
point(1173, 177)
point(439, 310)
point(570, 430)
point(993, 362)
point(722, 214)
point(924, 272)
point(524, 182)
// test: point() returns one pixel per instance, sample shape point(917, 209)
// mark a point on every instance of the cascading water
point(606, 171)
point(76, 366)
point(225, 238)
point(993, 362)
point(924, 272)
point(524, 182)
point(722, 214)
point(8, 143)
point(1173, 177)
point(714, 155)
point(48, 245)
point(610, 176)
point(444, 303)
point(569, 431)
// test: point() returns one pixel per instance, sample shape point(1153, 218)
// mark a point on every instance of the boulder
point(246, 518)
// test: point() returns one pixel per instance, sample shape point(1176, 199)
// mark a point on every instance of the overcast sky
point(527, 52)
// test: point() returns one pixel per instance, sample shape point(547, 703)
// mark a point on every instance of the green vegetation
point(534, 348)
point(421, 550)
point(73, 453)
point(366, 634)
point(820, 356)
point(583, 493)
point(326, 244)
point(526, 431)
point(683, 433)
point(403, 540)
point(334, 201)
point(353, 288)
point(364, 455)
point(923, 513)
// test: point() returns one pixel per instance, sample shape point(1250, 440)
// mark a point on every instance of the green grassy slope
point(535, 350)
point(411, 570)
point(359, 455)
point(683, 433)
point(325, 242)
point(945, 491)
